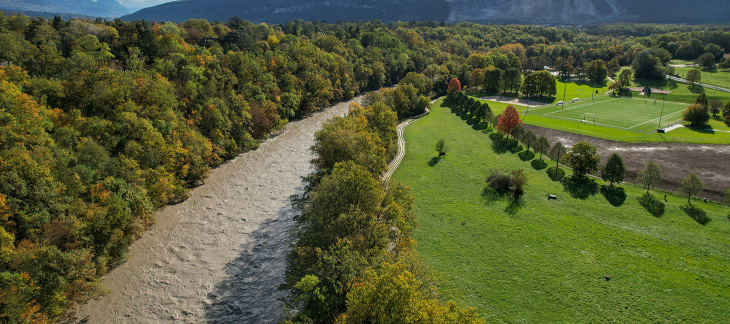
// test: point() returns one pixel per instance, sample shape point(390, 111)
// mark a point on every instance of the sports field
point(638, 115)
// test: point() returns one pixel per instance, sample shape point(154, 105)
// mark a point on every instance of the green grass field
point(539, 261)
point(714, 77)
point(637, 115)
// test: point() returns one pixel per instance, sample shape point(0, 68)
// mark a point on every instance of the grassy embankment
point(545, 261)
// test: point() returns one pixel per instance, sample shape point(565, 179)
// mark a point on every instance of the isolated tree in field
point(557, 152)
point(706, 61)
point(518, 131)
point(614, 170)
point(597, 71)
point(726, 110)
point(583, 158)
point(694, 76)
point(542, 145)
point(454, 86)
point(529, 139)
point(725, 65)
point(696, 115)
point(441, 147)
point(625, 77)
point(651, 175)
point(691, 186)
point(715, 107)
point(702, 100)
point(508, 120)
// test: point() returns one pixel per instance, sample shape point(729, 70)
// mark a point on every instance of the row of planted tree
point(582, 157)
point(353, 260)
point(102, 122)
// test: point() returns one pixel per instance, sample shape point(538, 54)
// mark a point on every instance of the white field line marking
point(657, 119)
point(580, 106)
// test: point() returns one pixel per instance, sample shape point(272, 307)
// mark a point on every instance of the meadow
point(535, 261)
point(714, 77)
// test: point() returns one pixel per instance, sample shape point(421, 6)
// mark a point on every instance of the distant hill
point(555, 12)
point(94, 8)
point(280, 11)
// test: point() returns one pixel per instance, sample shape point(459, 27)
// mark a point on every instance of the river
point(219, 256)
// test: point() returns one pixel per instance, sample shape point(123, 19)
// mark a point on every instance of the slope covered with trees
point(102, 122)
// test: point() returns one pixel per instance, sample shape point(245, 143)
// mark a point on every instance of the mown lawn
point(538, 261)
point(715, 77)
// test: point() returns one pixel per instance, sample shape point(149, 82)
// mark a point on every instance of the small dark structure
point(552, 197)
point(608, 278)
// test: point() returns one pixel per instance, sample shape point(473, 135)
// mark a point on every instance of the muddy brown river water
point(219, 256)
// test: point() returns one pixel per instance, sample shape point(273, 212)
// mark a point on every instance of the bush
point(526, 155)
point(538, 164)
point(696, 115)
point(496, 136)
point(503, 182)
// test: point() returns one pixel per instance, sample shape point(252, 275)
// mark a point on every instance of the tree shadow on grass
point(580, 187)
point(696, 213)
point(515, 204)
point(616, 196)
point(434, 160)
point(539, 164)
point(489, 195)
point(653, 205)
point(707, 129)
point(555, 174)
point(526, 155)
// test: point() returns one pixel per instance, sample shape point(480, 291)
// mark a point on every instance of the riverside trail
point(219, 256)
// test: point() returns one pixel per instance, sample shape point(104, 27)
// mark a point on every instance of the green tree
point(625, 77)
point(646, 65)
point(557, 152)
point(651, 175)
point(691, 186)
point(518, 131)
point(348, 139)
point(493, 80)
point(542, 145)
point(702, 100)
point(694, 76)
point(715, 107)
point(614, 170)
point(725, 64)
point(696, 115)
point(706, 61)
point(597, 71)
point(583, 158)
point(529, 139)
point(441, 147)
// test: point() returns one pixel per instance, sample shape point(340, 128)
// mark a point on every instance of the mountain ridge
point(570, 12)
point(98, 8)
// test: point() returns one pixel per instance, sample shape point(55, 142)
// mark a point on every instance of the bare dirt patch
point(514, 101)
point(677, 160)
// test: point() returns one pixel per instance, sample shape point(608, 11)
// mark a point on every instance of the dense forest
point(102, 122)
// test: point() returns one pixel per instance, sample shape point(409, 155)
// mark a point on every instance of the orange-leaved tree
point(508, 120)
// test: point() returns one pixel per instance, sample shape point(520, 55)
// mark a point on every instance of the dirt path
point(514, 101)
point(393, 165)
point(677, 160)
point(220, 255)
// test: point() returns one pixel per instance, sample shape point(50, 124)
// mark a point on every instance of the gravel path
point(219, 256)
point(393, 165)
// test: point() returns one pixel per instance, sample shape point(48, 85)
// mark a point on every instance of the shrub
point(526, 155)
point(538, 164)
point(696, 115)
point(503, 182)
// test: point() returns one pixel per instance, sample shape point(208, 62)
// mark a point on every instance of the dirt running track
point(710, 162)
point(219, 256)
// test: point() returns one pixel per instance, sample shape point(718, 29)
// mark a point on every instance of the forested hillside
point(102, 122)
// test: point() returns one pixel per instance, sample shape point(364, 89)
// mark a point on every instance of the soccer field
point(637, 115)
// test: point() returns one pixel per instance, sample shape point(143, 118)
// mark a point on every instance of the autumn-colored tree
point(508, 120)
point(454, 86)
